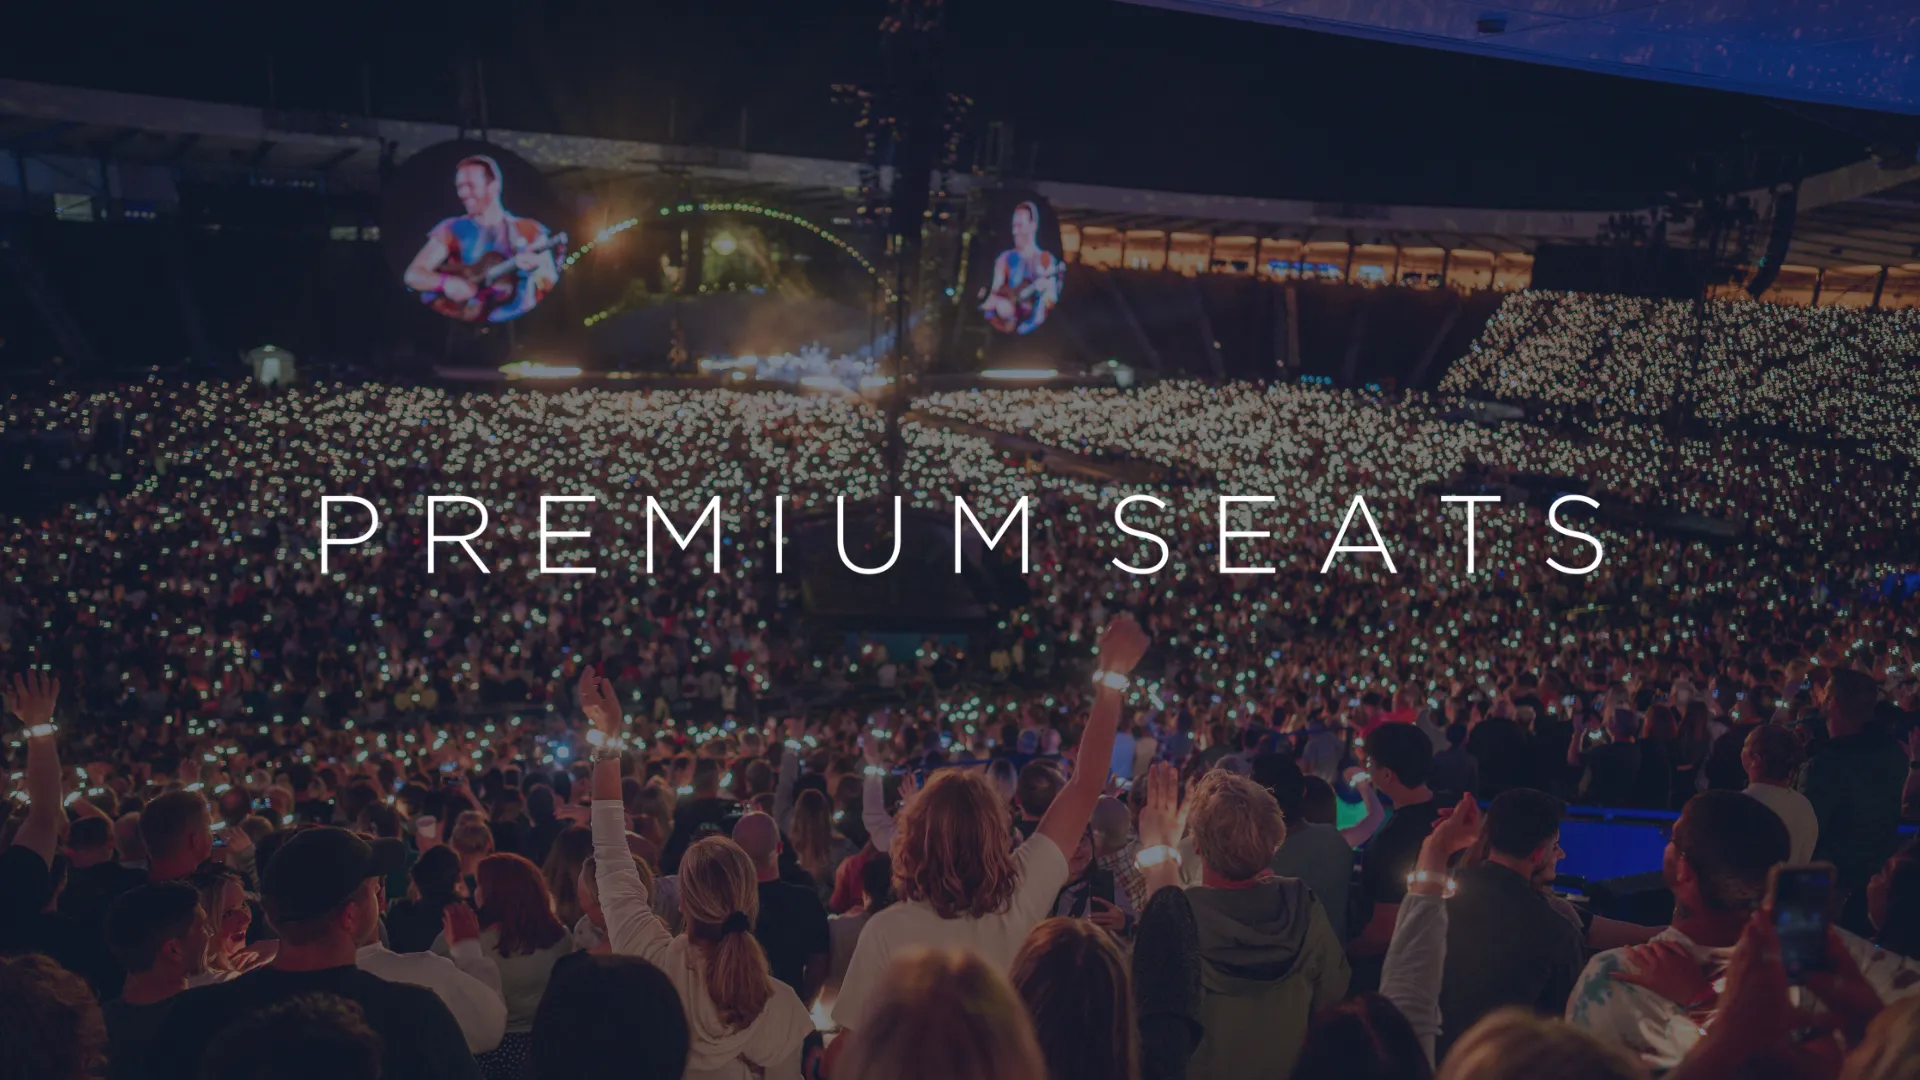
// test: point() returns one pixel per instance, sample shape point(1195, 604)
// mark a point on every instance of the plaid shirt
point(1120, 865)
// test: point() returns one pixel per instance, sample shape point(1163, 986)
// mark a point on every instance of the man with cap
point(469, 983)
point(321, 891)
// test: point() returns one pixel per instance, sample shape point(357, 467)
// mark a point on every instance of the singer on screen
point(485, 265)
point(1026, 280)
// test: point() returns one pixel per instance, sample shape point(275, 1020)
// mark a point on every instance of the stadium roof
point(1861, 214)
point(1859, 53)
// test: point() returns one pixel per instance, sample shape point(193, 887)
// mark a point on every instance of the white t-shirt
point(1040, 871)
point(1803, 826)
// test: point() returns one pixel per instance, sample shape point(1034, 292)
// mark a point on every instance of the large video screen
point(1020, 286)
point(474, 231)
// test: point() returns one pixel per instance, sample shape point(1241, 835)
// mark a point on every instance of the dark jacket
point(1854, 783)
point(1268, 961)
point(1166, 985)
point(1505, 946)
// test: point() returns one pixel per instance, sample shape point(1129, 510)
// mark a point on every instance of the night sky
point(1099, 91)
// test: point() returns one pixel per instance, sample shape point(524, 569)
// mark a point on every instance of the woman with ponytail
point(744, 1024)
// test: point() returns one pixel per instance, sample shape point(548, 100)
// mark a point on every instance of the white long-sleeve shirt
point(771, 1044)
point(469, 983)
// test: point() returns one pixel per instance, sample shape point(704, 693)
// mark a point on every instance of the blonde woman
point(943, 1014)
point(744, 1024)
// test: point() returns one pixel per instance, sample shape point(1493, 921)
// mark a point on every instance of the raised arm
point(873, 794)
point(784, 789)
point(475, 997)
point(31, 698)
point(1361, 831)
point(1417, 955)
point(1121, 646)
point(632, 927)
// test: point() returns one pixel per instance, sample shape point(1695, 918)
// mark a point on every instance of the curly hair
point(951, 849)
point(50, 1022)
point(1235, 824)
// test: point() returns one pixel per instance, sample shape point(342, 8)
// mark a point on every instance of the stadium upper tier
point(96, 153)
point(1853, 55)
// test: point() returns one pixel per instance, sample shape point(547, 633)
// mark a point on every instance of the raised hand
point(597, 700)
point(31, 697)
point(1103, 914)
point(1160, 817)
point(1460, 827)
point(1122, 644)
point(459, 922)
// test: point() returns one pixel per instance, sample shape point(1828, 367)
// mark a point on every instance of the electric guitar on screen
point(495, 279)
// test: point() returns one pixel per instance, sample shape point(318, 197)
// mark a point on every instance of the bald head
point(759, 837)
point(1112, 825)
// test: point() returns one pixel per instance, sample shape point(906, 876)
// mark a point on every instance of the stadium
point(1154, 538)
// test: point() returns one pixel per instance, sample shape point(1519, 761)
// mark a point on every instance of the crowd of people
point(1837, 371)
point(388, 822)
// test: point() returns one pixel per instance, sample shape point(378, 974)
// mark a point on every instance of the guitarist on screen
point(444, 270)
point(1026, 280)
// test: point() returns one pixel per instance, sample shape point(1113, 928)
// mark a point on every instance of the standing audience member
point(742, 1020)
point(1319, 854)
point(50, 1025)
point(943, 1014)
point(843, 931)
point(415, 920)
point(1610, 753)
point(466, 979)
point(1454, 768)
point(1514, 1045)
point(609, 1016)
point(792, 924)
point(1854, 783)
point(177, 830)
point(817, 846)
point(1362, 1038)
point(1398, 758)
point(1075, 984)
point(1770, 757)
point(1505, 944)
point(310, 1037)
point(1269, 959)
point(223, 895)
point(321, 893)
point(159, 933)
point(521, 936)
point(957, 884)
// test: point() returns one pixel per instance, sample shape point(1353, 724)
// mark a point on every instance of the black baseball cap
point(316, 870)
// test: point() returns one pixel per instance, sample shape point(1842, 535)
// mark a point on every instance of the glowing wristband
point(793, 744)
point(1155, 855)
point(877, 771)
point(41, 731)
point(596, 737)
point(1112, 680)
point(1430, 878)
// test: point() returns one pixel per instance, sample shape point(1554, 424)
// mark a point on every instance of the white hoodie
point(770, 1045)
